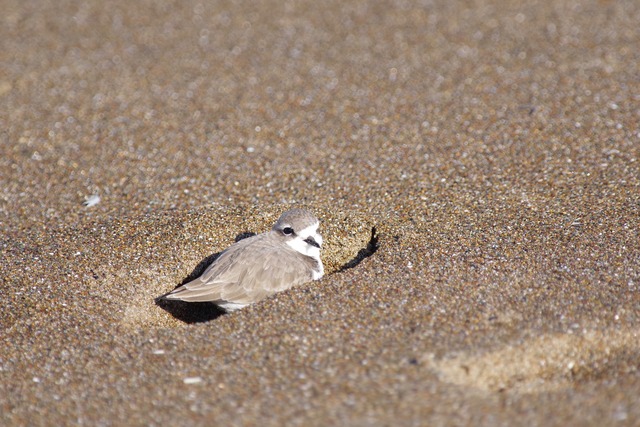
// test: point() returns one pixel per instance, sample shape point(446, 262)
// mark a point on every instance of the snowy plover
point(258, 266)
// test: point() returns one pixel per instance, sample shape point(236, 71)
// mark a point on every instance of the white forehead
point(310, 230)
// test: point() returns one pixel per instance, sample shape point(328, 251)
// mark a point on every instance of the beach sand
point(475, 166)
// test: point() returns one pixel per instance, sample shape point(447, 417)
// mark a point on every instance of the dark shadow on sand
point(365, 252)
point(190, 312)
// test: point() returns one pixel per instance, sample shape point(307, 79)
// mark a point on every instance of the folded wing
point(247, 272)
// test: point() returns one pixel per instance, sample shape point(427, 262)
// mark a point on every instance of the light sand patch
point(545, 363)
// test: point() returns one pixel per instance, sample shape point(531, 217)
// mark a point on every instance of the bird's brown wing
point(247, 272)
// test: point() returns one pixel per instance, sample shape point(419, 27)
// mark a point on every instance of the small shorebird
point(258, 266)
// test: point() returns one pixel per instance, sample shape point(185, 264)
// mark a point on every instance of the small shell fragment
point(192, 380)
point(91, 200)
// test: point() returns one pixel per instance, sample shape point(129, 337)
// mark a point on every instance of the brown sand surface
point(494, 146)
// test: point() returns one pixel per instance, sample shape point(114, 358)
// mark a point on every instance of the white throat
point(299, 245)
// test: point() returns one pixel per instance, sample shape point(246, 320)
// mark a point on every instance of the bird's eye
point(287, 230)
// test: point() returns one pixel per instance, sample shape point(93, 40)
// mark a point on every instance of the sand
point(493, 146)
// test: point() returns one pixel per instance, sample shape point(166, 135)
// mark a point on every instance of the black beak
point(312, 242)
